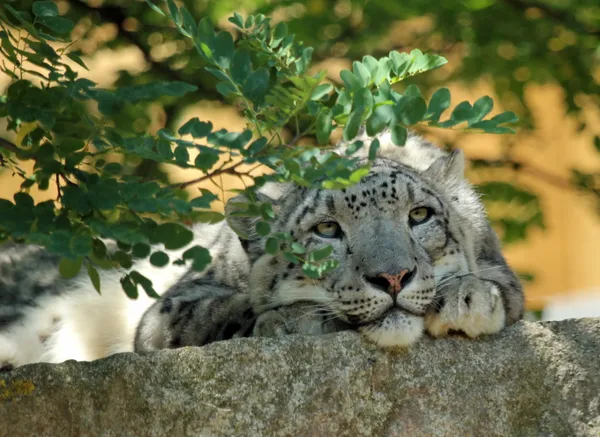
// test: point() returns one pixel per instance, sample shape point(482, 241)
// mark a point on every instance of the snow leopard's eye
point(328, 230)
point(419, 215)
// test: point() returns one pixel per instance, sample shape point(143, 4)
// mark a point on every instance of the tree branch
point(5, 144)
point(220, 171)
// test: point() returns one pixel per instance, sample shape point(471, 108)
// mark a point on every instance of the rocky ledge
point(534, 379)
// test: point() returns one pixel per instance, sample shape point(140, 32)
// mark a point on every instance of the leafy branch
point(264, 71)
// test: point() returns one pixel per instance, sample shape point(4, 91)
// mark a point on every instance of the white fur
point(398, 330)
point(83, 325)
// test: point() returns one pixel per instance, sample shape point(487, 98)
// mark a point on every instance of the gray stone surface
point(531, 380)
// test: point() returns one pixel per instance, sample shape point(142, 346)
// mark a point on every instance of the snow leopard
point(415, 254)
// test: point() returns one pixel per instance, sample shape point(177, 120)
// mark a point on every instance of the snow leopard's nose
point(392, 283)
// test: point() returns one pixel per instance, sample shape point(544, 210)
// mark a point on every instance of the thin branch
point(5, 144)
point(222, 170)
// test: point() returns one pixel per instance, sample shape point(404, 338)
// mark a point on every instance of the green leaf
point(379, 119)
point(311, 271)
point(425, 62)
point(440, 101)
point(383, 71)
point(164, 149)
point(45, 9)
point(462, 112)
point(206, 159)
point(597, 143)
point(399, 134)
point(226, 88)
point(324, 126)
point(279, 33)
point(75, 56)
point(208, 217)
point(181, 155)
point(266, 211)
point(241, 66)
point(146, 283)
point(173, 235)
point(304, 61)
point(373, 148)
point(350, 80)
point(129, 287)
point(321, 254)
point(481, 108)
point(505, 117)
point(363, 99)
point(76, 199)
point(123, 259)
point(401, 63)
point(372, 65)
point(94, 276)
point(223, 49)
point(237, 19)
point(189, 25)
point(140, 250)
point(362, 73)
point(200, 257)
point(353, 125)
point(196, 128)
point(174, 11)
point(205, 200)
point(321, 91)
point(257, 146)
point(159, 259)
point(410, 110)
point(69, 268)
point(413, 91)
point(298, 248)
point(263, 228)
point(257, 84)
point(272, 246)
point(60, 25)
point(155, 8)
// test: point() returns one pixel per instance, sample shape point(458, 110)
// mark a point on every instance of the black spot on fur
point(245, 244)
point(167, 306)
point(273, 282)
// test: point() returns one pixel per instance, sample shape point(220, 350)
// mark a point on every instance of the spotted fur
point(396, 279)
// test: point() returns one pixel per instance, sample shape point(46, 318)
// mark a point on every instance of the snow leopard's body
point(396, 277)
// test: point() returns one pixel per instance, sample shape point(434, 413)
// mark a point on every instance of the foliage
point(71, 129)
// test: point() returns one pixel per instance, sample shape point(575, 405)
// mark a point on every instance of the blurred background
point(540, 59)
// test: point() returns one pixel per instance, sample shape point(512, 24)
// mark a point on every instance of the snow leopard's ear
point(447, 167)
point(236, 210)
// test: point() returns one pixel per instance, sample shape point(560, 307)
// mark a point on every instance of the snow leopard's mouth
point(390, 312)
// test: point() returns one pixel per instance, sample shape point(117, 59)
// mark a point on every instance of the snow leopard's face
point(394, 236)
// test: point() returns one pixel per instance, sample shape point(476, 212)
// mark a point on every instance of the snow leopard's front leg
point(299, 318)
point(481, 302)
point(467, 304)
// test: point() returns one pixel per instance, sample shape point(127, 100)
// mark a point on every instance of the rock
point(534, 379)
